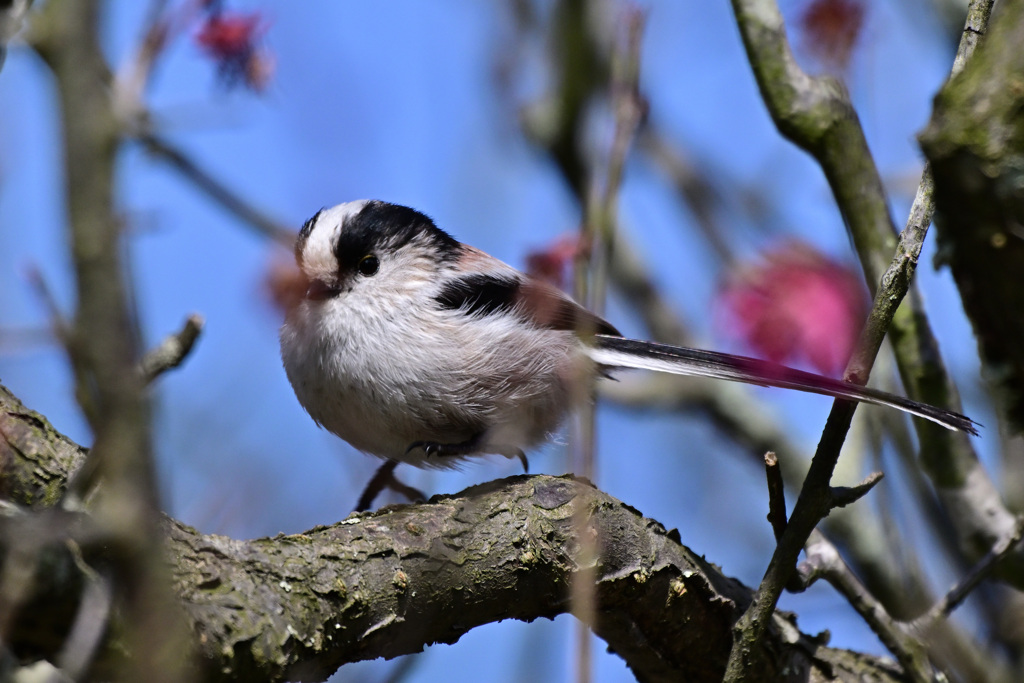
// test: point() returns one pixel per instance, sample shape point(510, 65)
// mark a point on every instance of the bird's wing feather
point(491, 286)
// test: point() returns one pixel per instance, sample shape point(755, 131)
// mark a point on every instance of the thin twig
point(13, 339)
point(135, 74)
point(902, 639)
point(592, 269)
point(695, 186)
point(815, 113)
point(59, 325)
point(171, 351)
point(776, 494)
point(785, 88)
point(12, 17)
point(978, 14)
point(847, 495)
point(216, 190)
point(89, 627)
point(824, 561)
point(64, 332)
point(958, 593)
point(629, 108)
point(632, 277)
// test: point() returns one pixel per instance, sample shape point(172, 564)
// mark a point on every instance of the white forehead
point(319, 246)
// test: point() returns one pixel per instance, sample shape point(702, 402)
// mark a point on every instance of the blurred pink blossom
point(554, 263)
point(831, 29)
point(231, 38)
point(798, 305)
point(284, 283)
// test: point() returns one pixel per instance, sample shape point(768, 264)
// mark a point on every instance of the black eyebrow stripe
point(303, 236)
point(480, 294)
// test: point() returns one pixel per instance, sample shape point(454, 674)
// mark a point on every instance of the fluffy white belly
point(384, 390)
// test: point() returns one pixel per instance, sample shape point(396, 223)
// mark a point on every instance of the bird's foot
point(522, 458)
point(434, 449)
point(385, 478)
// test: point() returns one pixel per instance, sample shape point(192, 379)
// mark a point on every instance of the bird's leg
point(385, 478)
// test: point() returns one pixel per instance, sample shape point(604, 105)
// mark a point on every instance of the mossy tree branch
point(388, 583)
point(975, 142)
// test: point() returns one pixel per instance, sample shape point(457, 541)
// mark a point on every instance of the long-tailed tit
point(417, 348)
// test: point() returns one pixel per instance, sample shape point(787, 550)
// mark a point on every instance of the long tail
point(631, 353)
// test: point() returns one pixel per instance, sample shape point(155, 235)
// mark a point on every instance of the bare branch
point(598, 227)
point(35, 462)
point(89, 628)
point(776, 494)
point(824, 561)
point(217, 190)
point(847, 495)
point(602, 209)
point(104, 340)
point(815, 113)
point(975, 145)
point(171, 351)
point(135, 74)
point(958, 593)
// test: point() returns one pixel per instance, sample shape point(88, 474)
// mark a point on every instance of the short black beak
point(319, 290)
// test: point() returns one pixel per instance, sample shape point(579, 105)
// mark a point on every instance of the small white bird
point(417, 348)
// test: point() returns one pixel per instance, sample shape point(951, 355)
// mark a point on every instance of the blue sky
point(397, 100)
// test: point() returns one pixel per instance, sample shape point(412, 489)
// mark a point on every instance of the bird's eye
point(368, 265)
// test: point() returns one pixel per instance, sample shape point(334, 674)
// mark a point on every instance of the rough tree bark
point(390, 582)
point(975, 142)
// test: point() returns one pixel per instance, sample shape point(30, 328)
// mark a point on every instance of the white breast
point(385, 376)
